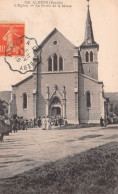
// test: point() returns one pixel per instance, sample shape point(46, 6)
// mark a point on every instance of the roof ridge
point(48, 37)
point(100, 82)
point(22, 81)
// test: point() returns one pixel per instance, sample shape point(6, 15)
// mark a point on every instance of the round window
point(55, 42)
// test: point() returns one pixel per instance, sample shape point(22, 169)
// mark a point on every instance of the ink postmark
point(22, 63)
point(17, 48)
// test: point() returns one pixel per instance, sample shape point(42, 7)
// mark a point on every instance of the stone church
point(65, 82)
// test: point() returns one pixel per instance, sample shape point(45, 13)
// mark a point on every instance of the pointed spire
point(89, 37)
point(88, 30)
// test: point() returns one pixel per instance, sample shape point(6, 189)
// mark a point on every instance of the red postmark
point(12, 39)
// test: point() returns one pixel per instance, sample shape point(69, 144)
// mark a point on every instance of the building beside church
point(65, 82)
point(5, 98)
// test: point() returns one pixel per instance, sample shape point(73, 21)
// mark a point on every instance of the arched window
point(87, 56)
point(49, 64)
point(55, 62)
point(60, 63)
point(24, 100)
point(88, 99)
point(91, 56)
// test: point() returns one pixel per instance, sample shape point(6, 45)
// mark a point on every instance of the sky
point(70, 21)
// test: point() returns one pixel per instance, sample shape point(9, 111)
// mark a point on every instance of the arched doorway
point(55, 107)
point(55, 111)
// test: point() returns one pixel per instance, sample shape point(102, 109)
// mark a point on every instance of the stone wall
point(92, 114)
point(28, 87)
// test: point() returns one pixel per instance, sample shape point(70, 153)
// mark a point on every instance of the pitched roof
point(5, 95)
point(24, 80)
point(49, 36)
point(99, 82)
point(89, 37)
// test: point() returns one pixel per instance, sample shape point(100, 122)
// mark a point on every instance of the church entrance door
point(55, 107)
point(55, 111)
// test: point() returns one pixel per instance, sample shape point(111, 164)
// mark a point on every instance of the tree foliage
point(116, 110)
point(1, 108)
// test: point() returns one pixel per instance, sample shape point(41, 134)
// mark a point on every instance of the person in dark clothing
point(101, 122)
point(56, 122)
point(39, 122)
point(24, 125)
point(60, 121)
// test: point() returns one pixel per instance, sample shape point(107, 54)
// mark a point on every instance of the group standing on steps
point(48, 122)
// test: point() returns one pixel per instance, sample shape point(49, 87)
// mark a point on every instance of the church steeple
point(88, 30)
point(89, 37)
point(89, 50)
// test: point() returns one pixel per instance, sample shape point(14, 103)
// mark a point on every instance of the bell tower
point(89, 50)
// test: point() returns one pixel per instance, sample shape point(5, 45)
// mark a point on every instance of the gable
point(55, 31)
point(55, 94)
point(57, 44)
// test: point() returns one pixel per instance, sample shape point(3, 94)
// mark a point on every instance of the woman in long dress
point(48, 123)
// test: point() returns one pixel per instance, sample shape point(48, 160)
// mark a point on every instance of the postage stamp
point(18, 50)
point(11, 42)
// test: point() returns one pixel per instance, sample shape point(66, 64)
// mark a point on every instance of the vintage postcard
point(58, 97)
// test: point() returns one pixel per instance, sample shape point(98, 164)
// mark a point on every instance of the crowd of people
point(15, 123)
point(48, 122)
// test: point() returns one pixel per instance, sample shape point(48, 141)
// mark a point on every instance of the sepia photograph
point(58, 97)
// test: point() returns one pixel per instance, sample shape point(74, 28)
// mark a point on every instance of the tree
point(1, 108)
point(111, 107)
point(116, 110)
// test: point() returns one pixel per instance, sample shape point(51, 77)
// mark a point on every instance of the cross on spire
point(88, 2)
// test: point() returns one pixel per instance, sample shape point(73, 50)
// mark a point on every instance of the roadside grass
point(77, 126)
point(94, 171)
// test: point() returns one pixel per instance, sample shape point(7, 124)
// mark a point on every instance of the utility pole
point(37, 88)
point(37, 59)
